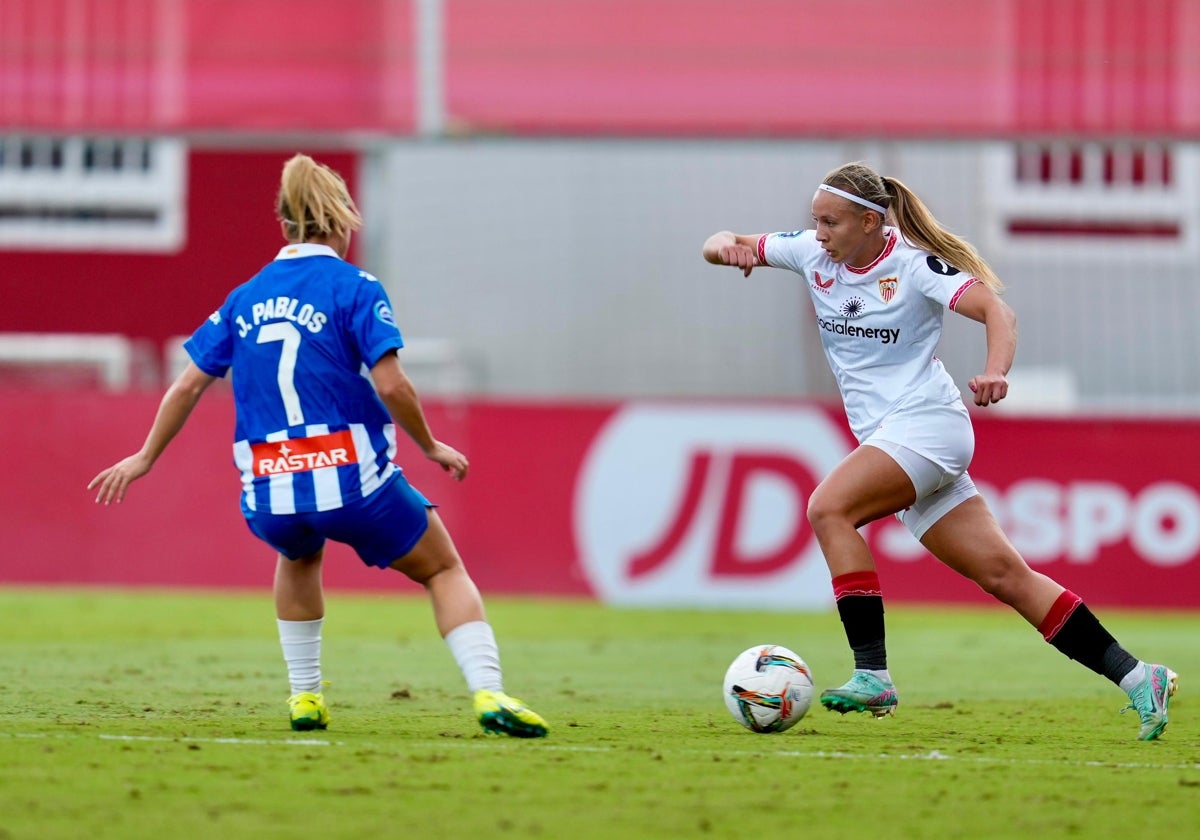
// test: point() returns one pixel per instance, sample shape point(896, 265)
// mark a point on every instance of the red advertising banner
point(638, 503)
point(608, 67)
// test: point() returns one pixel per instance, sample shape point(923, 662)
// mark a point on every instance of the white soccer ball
point(768, 688)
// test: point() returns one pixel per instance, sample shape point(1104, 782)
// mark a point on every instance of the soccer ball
point(768, 688)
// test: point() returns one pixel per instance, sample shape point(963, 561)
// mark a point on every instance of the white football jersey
point(879, 324)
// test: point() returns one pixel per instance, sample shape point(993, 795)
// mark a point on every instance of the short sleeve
point(938, 280)
point(791, 250)
point(211, 345)
point(372, 324)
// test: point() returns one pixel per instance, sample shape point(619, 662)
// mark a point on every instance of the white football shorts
point(933, 445)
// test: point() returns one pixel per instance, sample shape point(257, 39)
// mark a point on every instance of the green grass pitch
point(162, 715)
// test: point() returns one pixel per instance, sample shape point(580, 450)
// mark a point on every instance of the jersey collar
point(295, 250)
point(888, 245)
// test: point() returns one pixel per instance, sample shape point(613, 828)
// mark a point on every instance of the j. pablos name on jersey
point(281, 308)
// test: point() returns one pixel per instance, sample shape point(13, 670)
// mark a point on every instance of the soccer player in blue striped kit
point(879, 293)
point(315, 438)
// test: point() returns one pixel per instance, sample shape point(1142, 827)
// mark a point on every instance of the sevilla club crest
point(887, 288)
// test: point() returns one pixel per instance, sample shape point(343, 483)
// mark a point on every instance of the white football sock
point(1133, 677)
point(301, 642)
point(474, 647)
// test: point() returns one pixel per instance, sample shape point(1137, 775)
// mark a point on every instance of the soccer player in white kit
point(314, 442)
point(879, 292)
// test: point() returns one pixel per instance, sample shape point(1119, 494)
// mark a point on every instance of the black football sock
point(1072, 628)
point(860, 606)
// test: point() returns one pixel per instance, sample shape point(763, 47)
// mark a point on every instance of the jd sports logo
point(705, 506)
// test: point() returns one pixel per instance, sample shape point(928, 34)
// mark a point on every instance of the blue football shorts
point(380, 528)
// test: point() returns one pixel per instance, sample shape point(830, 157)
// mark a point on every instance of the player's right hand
point(114, 481)
point(742, 256)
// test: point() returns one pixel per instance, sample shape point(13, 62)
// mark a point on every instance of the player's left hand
point(451, 460)
point(114, 481)
point(988, 388)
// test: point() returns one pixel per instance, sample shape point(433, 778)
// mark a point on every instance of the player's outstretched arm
point(728, 248)
point(173, 411)
point(400, 397)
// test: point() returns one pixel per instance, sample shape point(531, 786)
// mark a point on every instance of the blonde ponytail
point(913, 219)
point(313, 201)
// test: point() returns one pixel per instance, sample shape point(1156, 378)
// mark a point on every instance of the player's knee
point(446, 574)
point(823, 513)
point(1004, 580)
point(423, 566)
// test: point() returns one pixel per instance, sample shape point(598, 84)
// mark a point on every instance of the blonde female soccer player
point(879, 292)
point(315, 442)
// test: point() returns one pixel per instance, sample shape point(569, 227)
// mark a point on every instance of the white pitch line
point(302, 742)
point(932, 755)
point(307, 742)
point(936, 755)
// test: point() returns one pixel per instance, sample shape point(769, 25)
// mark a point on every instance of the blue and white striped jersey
point(300, 336)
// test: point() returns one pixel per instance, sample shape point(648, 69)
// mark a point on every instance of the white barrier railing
point(111, 355)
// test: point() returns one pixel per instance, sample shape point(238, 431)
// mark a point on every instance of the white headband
point(856, 199)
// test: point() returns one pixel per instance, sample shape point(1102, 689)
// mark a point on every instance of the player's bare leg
point(459, 613)
point(866, 486)
point(969, 540)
